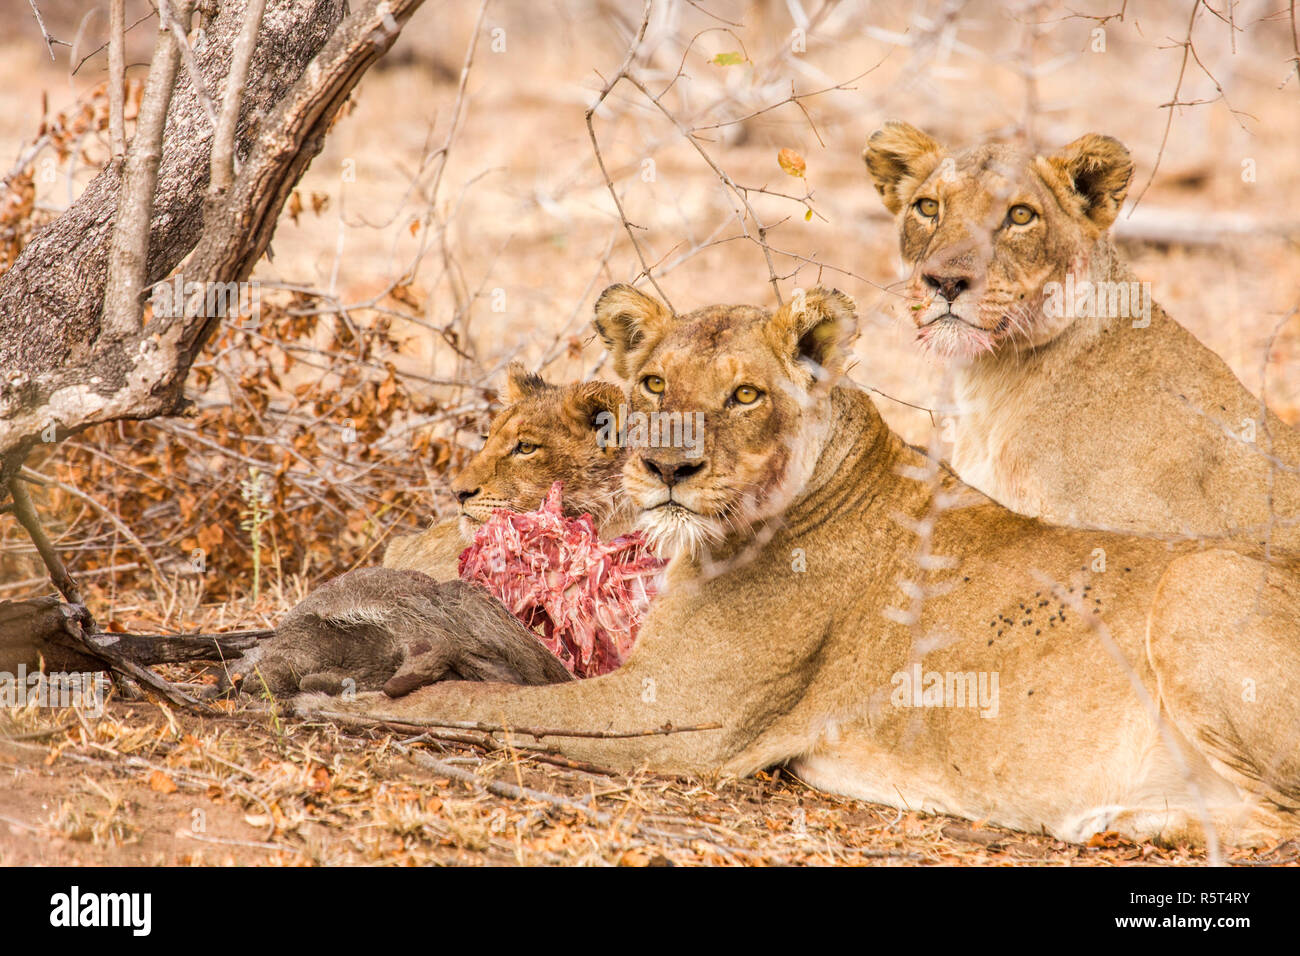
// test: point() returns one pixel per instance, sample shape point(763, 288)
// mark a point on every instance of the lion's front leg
point(627, 724)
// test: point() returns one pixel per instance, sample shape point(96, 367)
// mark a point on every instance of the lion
point(545, 433)
point(1078, 399)
point(829, 577)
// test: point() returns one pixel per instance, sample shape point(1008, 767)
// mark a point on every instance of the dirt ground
point(146, 786)
point(499, 254)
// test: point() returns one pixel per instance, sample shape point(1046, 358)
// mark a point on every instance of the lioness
point(801, 639)
point(1080, 401)
point(545, 433)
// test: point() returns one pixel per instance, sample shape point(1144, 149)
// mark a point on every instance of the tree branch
point(59, 371)
point(223, 142)
point(26, 514)
point(117, 77)
point(128, 256)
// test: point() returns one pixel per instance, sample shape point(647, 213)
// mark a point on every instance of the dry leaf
point(320, 780)
point(791, 162)
point(162, 783)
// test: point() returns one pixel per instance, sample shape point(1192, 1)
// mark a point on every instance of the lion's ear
point(630, 323)
point(899, 157)
point(521, 383)
point(1097, 171)
point(815, 329)
point(593, 405)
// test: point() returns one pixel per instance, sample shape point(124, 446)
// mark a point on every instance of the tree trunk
point(61, 369)
point(56, 368)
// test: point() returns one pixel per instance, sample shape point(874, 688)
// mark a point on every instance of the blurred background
point(450, 227)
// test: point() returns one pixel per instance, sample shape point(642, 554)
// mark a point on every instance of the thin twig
point(108, 513)
point(536, 732)
point(178, 28)
point(1173, 103)
point(40, 21)
point(600, 159)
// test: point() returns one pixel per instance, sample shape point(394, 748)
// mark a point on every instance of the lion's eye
point(525, 448)
point(929, 208)
point(653, 384)
point(746, 395)
point(1022, 215)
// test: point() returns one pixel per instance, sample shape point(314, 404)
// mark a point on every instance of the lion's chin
point(955, 340)
point(468, 525)
point(673, 531)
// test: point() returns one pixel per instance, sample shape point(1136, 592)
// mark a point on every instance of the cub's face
point(726, 408)
point(546, 433)
point(983, 232)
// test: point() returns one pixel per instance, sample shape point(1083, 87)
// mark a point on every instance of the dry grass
point(402, 283)
point(145, 786)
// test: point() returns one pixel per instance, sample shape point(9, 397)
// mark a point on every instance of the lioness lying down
point(801, 622)
point(1080, 401)
point(545, 433)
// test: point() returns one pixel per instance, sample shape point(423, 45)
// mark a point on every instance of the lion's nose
point(947, 286)
point(464, 496)
point(671, 473)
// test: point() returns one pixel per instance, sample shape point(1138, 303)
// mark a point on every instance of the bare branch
point(40, 21)
point(223, 143)
point(1295, 40)
point(117, 76)
point(129, 252)
point(103, 46)
point(179, 26)
point(26, 514)
point(109, 514)
point(600, 160)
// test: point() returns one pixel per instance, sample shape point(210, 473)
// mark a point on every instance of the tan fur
point(748, 478)
point(781, 631)
point(1082, 420)
point(561, 421)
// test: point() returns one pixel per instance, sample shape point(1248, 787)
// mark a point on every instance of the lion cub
point(1080, 401)
point(546, 433)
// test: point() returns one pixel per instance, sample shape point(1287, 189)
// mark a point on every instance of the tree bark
point(43, 630)
point(59, 365)
point(46, 630)
point(54, 368)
